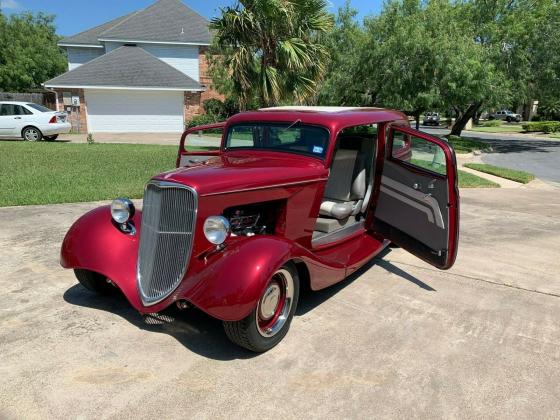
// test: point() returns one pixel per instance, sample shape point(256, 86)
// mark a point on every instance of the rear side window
point(38, 107)
point(13, 109)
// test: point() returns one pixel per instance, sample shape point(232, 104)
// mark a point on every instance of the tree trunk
point(417, 118)
point(463, 119)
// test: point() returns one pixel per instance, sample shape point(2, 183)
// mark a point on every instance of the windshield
point(39, 107)
point(282, 137)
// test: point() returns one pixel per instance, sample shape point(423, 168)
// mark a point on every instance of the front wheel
point(95, 282)
point(32, 134)
point(270, 321)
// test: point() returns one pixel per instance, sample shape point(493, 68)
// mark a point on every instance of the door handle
point(17, 118)
point(416, 186)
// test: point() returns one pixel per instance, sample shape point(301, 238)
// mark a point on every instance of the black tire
point(31, 134)
point(246, 333)
point(51, 138)
point(509, 119)
point(95, 282)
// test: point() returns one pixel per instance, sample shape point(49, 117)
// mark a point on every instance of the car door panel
point(417, 206)
point(7, 119)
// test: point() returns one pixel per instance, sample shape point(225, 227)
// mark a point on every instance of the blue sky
point(78, 15)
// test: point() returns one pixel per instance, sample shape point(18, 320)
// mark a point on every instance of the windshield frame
point(286, 124)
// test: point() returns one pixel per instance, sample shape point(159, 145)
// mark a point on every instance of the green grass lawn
point(467, 180)
point(48, 173)
point(45, 173)
point(504, 128)
point(512, 174)
point(466, 144)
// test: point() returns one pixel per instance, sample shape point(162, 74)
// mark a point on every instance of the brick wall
point(77, 119)
point(193, 105)
point(205, 78)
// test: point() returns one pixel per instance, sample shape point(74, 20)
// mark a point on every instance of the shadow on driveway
point(203, 334)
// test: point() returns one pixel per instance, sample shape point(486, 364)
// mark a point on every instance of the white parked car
point(31, 121)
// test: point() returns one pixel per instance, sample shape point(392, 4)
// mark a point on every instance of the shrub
point(203, 119)
point(214, 107)
point(491, 123)
point(544, 126)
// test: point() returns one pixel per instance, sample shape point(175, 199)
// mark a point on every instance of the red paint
point(228, 284)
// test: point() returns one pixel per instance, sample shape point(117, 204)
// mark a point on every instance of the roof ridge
point(126, 16)
point(121, 22)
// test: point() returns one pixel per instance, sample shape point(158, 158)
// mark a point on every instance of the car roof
point(335, 118)
point(16, 102)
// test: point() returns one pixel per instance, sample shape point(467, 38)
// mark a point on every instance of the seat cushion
point(337, 209)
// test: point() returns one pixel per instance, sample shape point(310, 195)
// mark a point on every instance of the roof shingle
point(163, 21)
point(131, 67)
point(91, 36)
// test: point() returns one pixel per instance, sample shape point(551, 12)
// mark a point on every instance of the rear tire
point(51, 138)
point(31, 134)
point(95, 282)
point(270, 321)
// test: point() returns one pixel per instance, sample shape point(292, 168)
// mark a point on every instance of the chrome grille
point(168, 222)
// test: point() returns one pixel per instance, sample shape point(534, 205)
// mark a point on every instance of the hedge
point(544, 126)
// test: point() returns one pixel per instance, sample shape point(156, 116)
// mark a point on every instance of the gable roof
point(126, 67)
point(91, 36)
point(164, 21)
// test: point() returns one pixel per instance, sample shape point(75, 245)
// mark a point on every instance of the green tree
point(271, 49)
point(342, 85)
point(28, 52)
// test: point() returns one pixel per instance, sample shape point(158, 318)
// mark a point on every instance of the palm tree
point(272, 49)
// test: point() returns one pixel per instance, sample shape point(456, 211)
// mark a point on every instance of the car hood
point(242, 171)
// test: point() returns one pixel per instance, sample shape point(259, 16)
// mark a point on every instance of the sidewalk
point(170, 139)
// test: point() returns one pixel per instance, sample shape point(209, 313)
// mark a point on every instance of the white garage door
point(122, 111)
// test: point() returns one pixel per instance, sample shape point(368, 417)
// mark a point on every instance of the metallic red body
point(227, 284)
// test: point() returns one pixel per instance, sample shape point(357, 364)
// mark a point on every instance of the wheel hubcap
point(274, 306)
point(32, 135)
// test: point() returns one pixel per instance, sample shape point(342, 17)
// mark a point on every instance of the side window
point(244, 136)
point(401, 146)
point(25, 111)
point(204, 140)
point(419, 152)
point(7, 109)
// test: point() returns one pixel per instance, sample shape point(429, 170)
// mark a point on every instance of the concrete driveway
point(400, 339)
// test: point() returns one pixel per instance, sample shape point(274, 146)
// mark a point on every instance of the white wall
point(81, 55)
point(183, 57)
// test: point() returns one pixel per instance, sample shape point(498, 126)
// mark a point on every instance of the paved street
point(527, 153)
point(398, 340)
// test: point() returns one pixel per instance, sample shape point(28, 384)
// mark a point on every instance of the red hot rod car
point(268, 202)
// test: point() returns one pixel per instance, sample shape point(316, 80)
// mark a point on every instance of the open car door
point(418, 202)
point(199, 144)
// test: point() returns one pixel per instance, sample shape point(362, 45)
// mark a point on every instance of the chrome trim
point(146, 299)
point(287, 184)
point(267, 306)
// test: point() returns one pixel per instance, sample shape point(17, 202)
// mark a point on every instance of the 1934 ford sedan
point(269, 202)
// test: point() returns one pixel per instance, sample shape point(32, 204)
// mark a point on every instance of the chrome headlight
point(216, 229)
point(122, 210)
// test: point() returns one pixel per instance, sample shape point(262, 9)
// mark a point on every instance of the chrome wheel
point(274, 306)
point(32, 134)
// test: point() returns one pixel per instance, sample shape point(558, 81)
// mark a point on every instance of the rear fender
point(94, 243)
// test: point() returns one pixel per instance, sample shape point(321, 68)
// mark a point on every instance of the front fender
point(234, 279)
point(95, 243)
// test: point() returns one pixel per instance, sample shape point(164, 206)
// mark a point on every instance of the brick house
point(143, 72)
